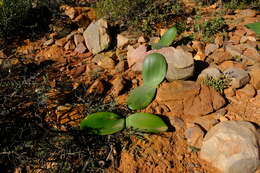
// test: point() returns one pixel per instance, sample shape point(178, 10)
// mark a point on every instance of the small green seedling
point(154, 71)
point(106, 123)
point(254, 27)
point(168, 37)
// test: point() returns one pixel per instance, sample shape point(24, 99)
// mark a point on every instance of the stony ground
point(209, 84)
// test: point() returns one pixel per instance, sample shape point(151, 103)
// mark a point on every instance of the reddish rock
point(54, 53)
point(228, 64)
point(235, 39)
point(255, 78)
point(247, 13)
point(210, 48)
point(194, 136)
point(117, 86)
point(176, 122)
point(189, 98)
point(230, 92)
point(246, 92)
point(219, 40)
point(121, 66)
point(252, 53)
point(220, 55)
point(61, 42)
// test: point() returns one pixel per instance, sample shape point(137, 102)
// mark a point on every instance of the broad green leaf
point(141, 97)
point(154, 69)
point(146, 122)
point(103, 123)
point(168, 37)
point(254, 27)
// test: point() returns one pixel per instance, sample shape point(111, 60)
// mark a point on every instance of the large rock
point(96, 36)
point(180, 62)
point(232, 147)
point(210, 72)
point(189, 98)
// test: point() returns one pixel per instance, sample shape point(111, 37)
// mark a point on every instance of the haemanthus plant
point(154, 72)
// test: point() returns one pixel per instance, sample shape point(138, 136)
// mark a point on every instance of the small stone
point(223, 118)
point(230, 92)
point(48, 42)
point(206, 122)
point(71, 12)
point(232, 147)
point(246, 92)
point(125, 38)
point(96, 88)
point(234, 51)
point(141, 39)
point(117, 86)
point(69, 45)
point(96, 36)
point(61, 42)
point(80, 48)
point(210, 48)
point(238, 77)
point(176, 122)
point(219, 40)
point(235, 39)
point(78, 39)
point(210, 72)
point(220, 55)
point(194, 136)
point(243, 39)
point(121, 66)
point(105, 60)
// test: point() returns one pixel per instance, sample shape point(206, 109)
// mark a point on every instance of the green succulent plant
point(154, 71)
point(106, 123)
point(254, 27)
point(168, 37)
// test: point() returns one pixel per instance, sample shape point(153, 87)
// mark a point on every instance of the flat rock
point(80, 48)
point(220, 55)
point(96, 36)
point(255, 77)
point(232, 147)
point(189, 98)
point(239, 77)
point(78, 38)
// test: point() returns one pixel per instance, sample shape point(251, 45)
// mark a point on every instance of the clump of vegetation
point(142, 15)
point(211, 27)
point(12, 15)
point(232, 4)
point(219, 84)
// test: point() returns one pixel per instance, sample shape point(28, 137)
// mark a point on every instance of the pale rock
point(176, 122)
point(239, 77)
point(135, 57)
point(80, 48)
point(206, 122)
point(210, 48)
point(232, 147)
point(210, 72)
point(78, 38)
point(96, 36)
point(243, 39)
point(141, 39)
point(194, 136)
point(234, 51)
point(125, 38)
point(105, 60)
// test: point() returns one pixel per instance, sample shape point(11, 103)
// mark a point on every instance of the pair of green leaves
point(254, 27)
point(106, 123)
point(154, 71)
